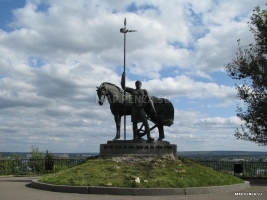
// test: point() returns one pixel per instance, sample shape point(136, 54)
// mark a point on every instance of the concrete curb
point(140, 191)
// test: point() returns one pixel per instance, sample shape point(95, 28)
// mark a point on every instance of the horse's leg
point(161, 132)
point(117, 119)
point(134, 124)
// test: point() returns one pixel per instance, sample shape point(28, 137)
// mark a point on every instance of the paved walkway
point(14, 188)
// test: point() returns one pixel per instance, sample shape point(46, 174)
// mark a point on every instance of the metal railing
point(43, 166)
point(36, 166)
point(240, 168)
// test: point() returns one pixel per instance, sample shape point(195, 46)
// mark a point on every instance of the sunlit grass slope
point(154, 173)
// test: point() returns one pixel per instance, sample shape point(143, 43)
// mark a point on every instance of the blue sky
point(53, 54)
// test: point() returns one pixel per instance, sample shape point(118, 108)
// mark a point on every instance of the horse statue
point(164, 109)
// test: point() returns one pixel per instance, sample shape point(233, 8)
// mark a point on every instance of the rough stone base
point(137, 148)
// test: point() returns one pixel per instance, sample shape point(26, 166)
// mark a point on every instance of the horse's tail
point(168, 113)
point(165, 111)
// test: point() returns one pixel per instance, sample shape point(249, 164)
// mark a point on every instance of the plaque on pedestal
point(137, 148)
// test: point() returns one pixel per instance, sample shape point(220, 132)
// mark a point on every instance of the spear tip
point(125, 21)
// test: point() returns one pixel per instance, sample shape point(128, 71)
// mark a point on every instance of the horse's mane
point(111, 84)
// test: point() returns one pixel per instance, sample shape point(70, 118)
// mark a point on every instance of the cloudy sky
point(54, 53)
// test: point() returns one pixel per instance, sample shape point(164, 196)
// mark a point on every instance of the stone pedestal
point(137, 148)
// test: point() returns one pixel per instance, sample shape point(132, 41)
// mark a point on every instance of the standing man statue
point(138, 113)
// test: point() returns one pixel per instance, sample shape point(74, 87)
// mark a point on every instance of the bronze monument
point(163, 114)
point(142, 107)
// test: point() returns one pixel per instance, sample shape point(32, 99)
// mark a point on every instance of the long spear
point(123, 30)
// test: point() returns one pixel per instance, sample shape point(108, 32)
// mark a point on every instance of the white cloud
point(185, 86)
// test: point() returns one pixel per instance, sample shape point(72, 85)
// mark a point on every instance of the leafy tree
point(249, 66)
point(36, 163)
point(36, 153)
point(49, 155)
point(15, 156)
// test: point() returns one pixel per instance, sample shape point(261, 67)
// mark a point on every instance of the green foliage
point(15, 165)
point(249, 66)
point(36, 153)
point(34, 166)
point(49, 155)
point(15, 156)
point(36, 162)
point(160, 173)
point(8, 166)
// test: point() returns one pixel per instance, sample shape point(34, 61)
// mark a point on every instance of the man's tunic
point(138, 97)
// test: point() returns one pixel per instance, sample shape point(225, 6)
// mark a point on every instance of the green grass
point(159, 173)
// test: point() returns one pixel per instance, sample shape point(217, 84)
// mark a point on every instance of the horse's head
point(101, 93)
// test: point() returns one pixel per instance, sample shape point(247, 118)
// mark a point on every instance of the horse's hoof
point(150, 139)
point(160, 139)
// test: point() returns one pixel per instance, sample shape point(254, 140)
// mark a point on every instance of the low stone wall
point(140, 191)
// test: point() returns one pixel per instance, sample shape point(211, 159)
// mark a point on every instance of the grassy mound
point(153, 173)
